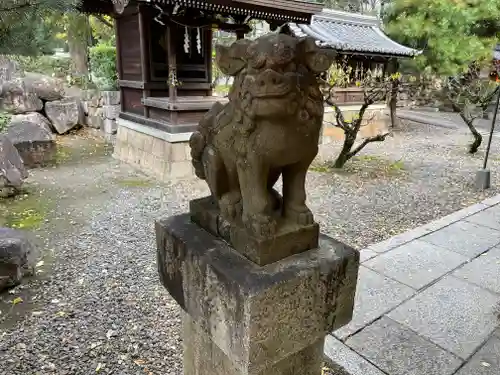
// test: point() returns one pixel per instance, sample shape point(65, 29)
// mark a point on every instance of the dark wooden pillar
point(208, 51)
point(172, 62)
point(119, 60)
point(145, 59)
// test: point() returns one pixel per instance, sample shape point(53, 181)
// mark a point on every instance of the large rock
point(36, 144)
point(17, 98)
point(64, 114)
point(45, 87)
point(12, 170)
point(17, 256)
point(33, 117)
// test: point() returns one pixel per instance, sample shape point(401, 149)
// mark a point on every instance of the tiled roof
point(351, 32)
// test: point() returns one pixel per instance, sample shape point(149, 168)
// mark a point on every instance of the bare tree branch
point(376, 138)
point(103, 20)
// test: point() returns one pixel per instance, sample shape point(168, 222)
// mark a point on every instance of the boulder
point(45, 87)
point(36, 144)
point(17, 257)
point(64, 114)
point(12, 170)
point(34, 117)
point(17, 98)
point(81, 108)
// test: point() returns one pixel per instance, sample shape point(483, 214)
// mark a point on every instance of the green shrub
point(52, 66)
point(103, 66)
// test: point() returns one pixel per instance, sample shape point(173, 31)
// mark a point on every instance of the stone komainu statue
point(270, 127)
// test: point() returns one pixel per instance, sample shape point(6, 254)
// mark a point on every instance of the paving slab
point(486, 361)
point(489, 218)
point(454, 217)
point(375, 295)
point(416, 263)
point(483, 271)
point(349, 360)
point(492, 201)
point(465, 238)
point(400, 239)
point(454, 314)
point(366, 254)
point(398, 350)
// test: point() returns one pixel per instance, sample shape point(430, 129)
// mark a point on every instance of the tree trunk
point(78, 40)
point(344, 155)
point(478, 138)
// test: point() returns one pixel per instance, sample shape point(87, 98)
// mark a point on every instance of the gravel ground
point(97, 305)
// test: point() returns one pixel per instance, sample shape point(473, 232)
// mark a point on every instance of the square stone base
point(203, 356)
point(152, 155)
point(250, 319)
point(290, 239)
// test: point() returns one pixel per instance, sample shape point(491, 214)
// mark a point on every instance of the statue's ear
point(231, 60)
point(316, 59)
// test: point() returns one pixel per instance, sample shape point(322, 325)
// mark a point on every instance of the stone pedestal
point(242, 318)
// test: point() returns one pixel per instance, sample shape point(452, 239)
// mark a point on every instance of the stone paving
point(447, 120)
point(428, 301)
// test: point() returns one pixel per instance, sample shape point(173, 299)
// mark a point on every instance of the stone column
point(259, 287)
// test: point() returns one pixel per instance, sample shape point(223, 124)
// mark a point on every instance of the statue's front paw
point(261, 225)
point(302, 216)
point(231, 205)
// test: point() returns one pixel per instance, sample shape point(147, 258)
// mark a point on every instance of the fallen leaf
point(61, 313)
point(40, 264)
point(139, 362)
point(17, 300)
point(99, 367)
point(110, 334)
point(485, 364)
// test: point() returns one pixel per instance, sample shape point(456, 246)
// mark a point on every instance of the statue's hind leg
point(294, 195)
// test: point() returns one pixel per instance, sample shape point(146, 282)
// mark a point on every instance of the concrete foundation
point(241, 318)
point(154, 152)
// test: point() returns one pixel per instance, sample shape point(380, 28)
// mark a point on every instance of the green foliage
point(451, 34)
point(4, 120)
point(103, 66)
point(101, 29)
point(24, 28)
point(48, 65)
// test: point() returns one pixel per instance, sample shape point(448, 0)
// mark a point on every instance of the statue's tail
point(201, 137)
